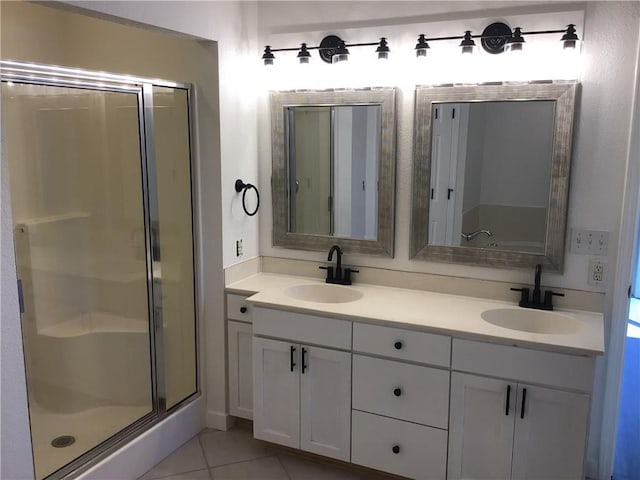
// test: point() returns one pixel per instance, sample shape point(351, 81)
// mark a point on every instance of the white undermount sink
point(532, 321)
point(323, 293)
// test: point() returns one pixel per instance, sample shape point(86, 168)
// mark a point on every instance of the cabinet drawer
point(402, 344)
point(329, 332)
point(547, 368)
point(422, 451)
point(400, 390)
point(238, 308)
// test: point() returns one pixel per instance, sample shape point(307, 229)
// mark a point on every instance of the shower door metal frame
point(46, 75)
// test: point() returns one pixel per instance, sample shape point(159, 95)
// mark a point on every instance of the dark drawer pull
point(397, 392)
point(396, 449)
point(508, 399)
point(524, 399)
point(398, 345)
point(292, 351)
point(243, 309)
point(304, 352)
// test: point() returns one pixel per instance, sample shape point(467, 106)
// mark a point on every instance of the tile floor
point(235, 454)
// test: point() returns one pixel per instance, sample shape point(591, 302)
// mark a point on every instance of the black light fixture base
point(494, 37)
point(328, 47)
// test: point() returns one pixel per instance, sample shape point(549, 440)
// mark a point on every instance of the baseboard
point(141, 454)
point(219, 420)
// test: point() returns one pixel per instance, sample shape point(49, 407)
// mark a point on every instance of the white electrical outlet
point(589, 242)
point(597, 270)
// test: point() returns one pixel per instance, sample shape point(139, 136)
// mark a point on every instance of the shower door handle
point(20, 297)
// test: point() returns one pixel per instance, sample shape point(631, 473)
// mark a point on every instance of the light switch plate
point(589, 242)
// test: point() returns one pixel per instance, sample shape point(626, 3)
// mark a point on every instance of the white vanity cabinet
point(409, 402)
point(302, 391)
point(512, 429)
point(240, 363)
point(400, 409)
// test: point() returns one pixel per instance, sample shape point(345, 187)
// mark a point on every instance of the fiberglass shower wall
point(101, 200)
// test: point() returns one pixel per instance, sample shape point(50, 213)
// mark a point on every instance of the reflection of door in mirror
point(310, 170)
point(447, 172)
point(333, 170)
point(491, 165)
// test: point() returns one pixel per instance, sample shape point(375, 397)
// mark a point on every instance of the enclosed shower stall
point(101, 189)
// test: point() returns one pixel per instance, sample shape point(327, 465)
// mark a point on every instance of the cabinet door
point(325, 402)
point(480, 427)
point(240, 369)
point(276, 394)
point(550, 434)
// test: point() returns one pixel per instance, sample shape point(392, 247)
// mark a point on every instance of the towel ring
point(244, 187)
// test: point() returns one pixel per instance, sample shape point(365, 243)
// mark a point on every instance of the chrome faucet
point(470, 236)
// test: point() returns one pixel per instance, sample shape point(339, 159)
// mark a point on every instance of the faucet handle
point(329, 270)
point(346, 279)
point(524, 297)
point(548, 297)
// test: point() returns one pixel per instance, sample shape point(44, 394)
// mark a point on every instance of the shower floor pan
point(90, 428)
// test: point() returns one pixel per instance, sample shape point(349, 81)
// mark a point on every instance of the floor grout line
point(284, 468)
point(245, 461)
point(176, 473)
point(204, 455)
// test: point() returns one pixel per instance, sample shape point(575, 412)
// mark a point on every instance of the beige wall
point(42, 34)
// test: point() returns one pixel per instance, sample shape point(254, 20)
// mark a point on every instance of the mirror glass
point(491, 174)
point(333, 169)
point(333, 177)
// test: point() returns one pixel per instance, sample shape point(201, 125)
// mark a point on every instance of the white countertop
point(427, 311)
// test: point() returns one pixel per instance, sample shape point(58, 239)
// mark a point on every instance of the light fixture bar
point(496, 36)
point(296, 49)
point(330, 46)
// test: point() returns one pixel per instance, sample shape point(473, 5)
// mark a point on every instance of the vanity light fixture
point(267, 56)
point(383, 49)
point(570, 39)
point(341, 54)
point(422, 46)
point(498, 38)
point(332, 49)
point(467, 43)
point(516, 42)
point(304, 55)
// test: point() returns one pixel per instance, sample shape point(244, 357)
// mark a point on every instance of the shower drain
point(63, 441)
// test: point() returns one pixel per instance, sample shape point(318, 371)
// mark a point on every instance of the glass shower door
point(76, 180)
point(174, 274)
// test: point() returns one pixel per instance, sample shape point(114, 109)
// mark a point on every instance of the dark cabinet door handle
point(506, 411)
point(397, 392)
point(304, 352)
point(524, 399)
point(398, 345)
point(243, 309)
point(396, 449)
point(292, 350)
